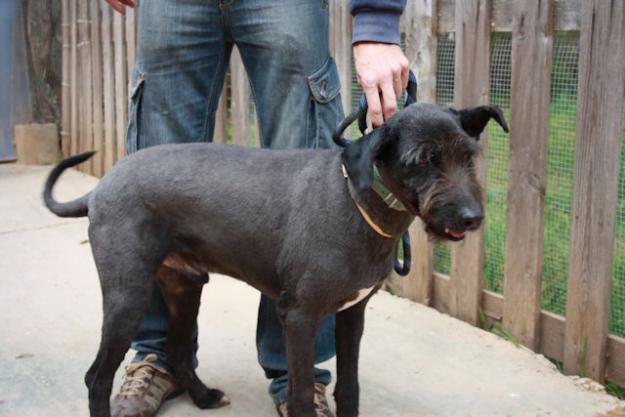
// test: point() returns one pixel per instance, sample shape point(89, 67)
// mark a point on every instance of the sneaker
point(146, 386)
point(321, 403)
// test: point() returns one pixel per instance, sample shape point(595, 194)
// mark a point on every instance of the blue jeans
point(183, 48)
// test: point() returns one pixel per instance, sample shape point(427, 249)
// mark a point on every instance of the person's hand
point(382, 71)
point(118, 5)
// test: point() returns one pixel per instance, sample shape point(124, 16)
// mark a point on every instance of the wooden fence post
point(341, 46)
point(601, 88)
point(131, 41)
point(419, 25)
point(240, 101)
point(73, 76)
point(96, 62)
point(121, 85)
point(471, 85)
point(221, 117)
point(86, 82)
point(65, 83)
point(532, 42)
point(108, 88)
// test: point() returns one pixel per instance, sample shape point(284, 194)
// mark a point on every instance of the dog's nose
point(471, 218)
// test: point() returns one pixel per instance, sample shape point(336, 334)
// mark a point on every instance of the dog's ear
point(360, 155)
point(474, 119)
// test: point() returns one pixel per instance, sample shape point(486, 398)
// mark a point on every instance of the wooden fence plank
point(65, 83)
point(532, 41)
point(108, 88)
point(220, 134)
point(615, 365)
point(601, 88)
point(341, 47)
point(240, 100)
point(86, 82)
point(121, 86)
point(418, 23)
point(471, 86)
point(73, 73)
point(131, 40)
point(567, 15)
point(96, 61)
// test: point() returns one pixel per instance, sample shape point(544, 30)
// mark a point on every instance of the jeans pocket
point(325, 108)
point(134, 112)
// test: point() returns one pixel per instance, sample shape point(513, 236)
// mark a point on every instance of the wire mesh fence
point(560, 168)
point(445, 58)
point(560, 171)
point(617, 305)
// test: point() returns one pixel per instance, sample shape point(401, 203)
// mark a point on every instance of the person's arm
point(381, 66)
point(118, 5)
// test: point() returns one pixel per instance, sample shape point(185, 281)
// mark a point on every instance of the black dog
point(305, 227)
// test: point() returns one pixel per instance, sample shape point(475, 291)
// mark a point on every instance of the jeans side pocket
point(134, 112)
point(326, 109)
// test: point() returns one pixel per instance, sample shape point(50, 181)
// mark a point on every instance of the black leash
point(360, 114)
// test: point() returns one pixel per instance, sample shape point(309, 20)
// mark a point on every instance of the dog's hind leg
point(182, 292)
point(349, 328)
point(126, 267)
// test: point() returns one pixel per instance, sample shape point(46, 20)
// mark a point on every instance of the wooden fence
point(98, 55)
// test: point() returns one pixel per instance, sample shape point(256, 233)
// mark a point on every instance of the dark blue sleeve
point(376, 20)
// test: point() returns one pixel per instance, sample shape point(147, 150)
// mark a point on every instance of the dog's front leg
point(349, 327)
point(300, 328)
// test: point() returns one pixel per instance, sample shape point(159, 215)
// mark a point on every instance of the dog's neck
point(378, 208)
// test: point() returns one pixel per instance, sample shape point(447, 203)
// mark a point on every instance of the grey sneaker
point(321, 403)
point(146, 386)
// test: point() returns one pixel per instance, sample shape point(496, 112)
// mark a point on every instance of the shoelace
point(320, 402)
point(137, 376)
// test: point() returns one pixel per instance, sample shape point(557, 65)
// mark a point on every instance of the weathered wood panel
point(121, 85)
point(567, 15)
point(532, 41)
point(551, 335)
point(108, 88)
point(221, 118)
point(130, 34)
point(65, 83)
point(601, 88)
point(85, 86)
point(341, 47)
point(73, 76)
point(471, 87)
point(615, 365)
point(240, 100)
point(98, 110)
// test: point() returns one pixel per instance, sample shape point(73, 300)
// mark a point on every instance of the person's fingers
point(375, 106)
point(116, 5)
point(397, 82)
point(405, 69)
point(389, 99)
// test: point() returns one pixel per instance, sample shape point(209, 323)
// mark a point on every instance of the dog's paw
point(210, 398)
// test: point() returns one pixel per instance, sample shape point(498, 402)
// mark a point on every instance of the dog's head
point(426, 155)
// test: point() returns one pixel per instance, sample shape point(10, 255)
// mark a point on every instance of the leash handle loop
point(411, 97)
point(360, 114)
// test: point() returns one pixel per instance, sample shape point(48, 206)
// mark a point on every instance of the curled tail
point(74, 208)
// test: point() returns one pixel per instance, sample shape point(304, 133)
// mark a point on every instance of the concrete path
point(415, 361)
